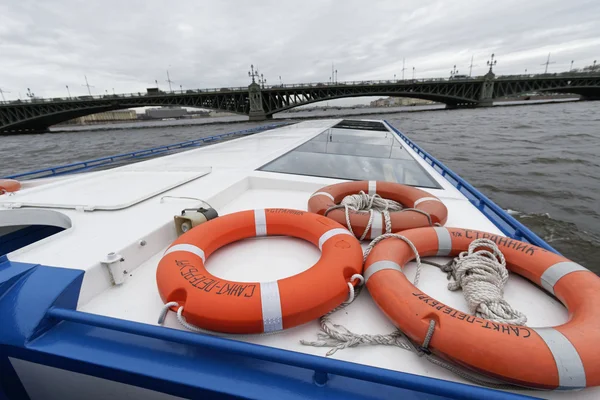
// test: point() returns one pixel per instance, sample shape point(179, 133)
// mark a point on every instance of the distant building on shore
point(399, 101)
point(108, 116)
point(165, 112)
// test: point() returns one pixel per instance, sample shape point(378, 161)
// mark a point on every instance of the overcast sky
point(128, 44)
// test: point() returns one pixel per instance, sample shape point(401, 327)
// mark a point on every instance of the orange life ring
point(9, 185)
point(220, 305)
point(408, 196)
point(563, 357)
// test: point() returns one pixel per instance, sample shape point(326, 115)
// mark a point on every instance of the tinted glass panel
point(355, 155)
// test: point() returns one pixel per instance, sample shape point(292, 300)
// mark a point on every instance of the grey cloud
point(126, 45)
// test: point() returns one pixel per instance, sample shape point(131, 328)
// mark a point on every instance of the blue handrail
point(89, 164)
point(504, 221)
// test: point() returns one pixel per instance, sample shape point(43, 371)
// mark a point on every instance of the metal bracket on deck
point(113, 262)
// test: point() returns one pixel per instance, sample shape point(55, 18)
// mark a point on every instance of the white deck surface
point(90, 192)
point(234, 185)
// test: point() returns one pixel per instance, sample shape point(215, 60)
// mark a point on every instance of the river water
point(540, 162)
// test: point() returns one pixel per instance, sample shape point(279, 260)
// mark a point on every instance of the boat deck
point(129, 211)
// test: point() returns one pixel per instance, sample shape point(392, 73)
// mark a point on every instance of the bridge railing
point(108, 96)
point(553, 75)
point(122, 95)
point(182, 92)
point(357, 83)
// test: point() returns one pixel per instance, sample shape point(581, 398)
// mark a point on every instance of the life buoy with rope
point(9, 185)
point(422, 208)
point(219, 305)
point(561, 357)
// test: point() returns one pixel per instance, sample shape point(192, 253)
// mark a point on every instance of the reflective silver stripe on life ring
point(323, 194)
point(331, 233)
point(271, 306)
point(190, 248)
point(372, 187)
point(423, 199)
point(555, 272)
point(571, 373)
point(260, 222)
point(379, 266)
point(376, 225)
point(444, 241)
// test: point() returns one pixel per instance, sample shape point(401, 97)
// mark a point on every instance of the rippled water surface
point(541, 162)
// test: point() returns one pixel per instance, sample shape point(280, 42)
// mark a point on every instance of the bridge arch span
point(586, 86)
point(448, 100)
point(584, 92)
point(22, 118)
point(41, 123)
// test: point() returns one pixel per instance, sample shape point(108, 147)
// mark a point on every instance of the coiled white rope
point(366, 202)
point(363, 202)
point(481, 273)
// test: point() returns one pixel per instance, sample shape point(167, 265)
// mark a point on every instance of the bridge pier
point(257, 111)
point(484, 103)
point(260, 116)
point(486, 94)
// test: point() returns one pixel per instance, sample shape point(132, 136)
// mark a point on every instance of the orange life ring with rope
point(430, 209)
point(563, 357)
point(9, 185)
point(220, 305)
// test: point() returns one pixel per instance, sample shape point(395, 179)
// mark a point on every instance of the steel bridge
point(260, 102)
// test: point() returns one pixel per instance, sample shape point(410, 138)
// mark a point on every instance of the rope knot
point(363, 202)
